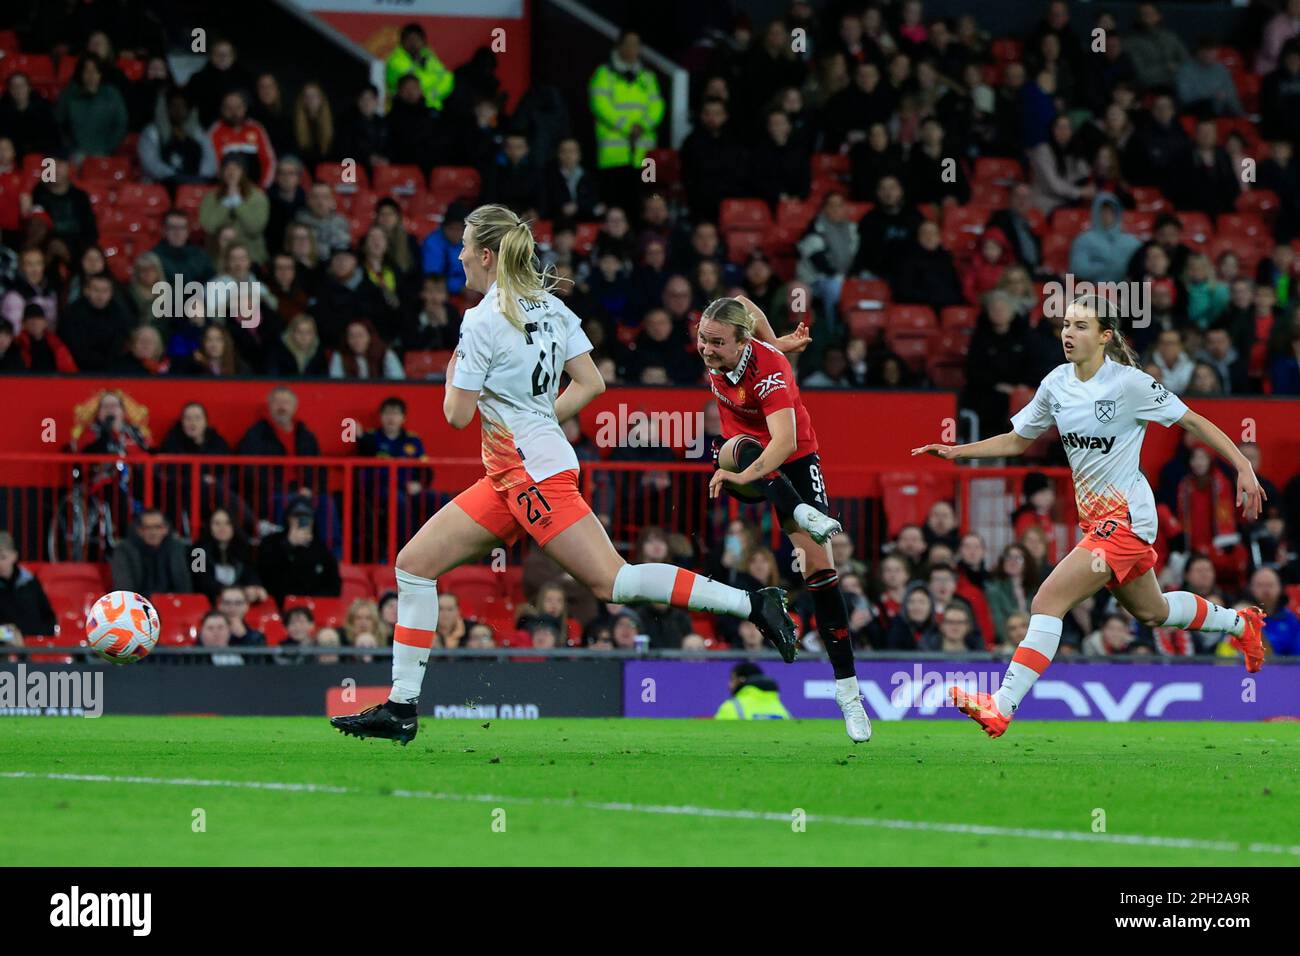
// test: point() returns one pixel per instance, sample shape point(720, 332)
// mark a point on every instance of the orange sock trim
point(1202, 612)
point(682, 585)
point(412, 636)
point(1031, 658)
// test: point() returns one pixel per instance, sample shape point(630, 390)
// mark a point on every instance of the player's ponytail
point(1120, 351)
point(730, 311)
point(519, 275)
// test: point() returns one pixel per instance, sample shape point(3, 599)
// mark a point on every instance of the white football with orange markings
point(122, 627)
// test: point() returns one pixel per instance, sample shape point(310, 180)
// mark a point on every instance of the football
point(122, 627)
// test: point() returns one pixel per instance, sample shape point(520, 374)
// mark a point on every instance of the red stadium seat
point(959, 316)
point(39, 68)
point(908, 497)
point(1197, 228)
point(1056, 251)
point(947, 375)
point(356, 583)
point(343, 179)
point(950, 344)
point(741, 242)
point(114, 169)
point(398, 180)
point(181, 616)
point(1070, 221)
point(474, 581)
point(69, 624)
point(668, 167)
point(854, 211)
point(795, 214)
point(190, 196)
point(743, 214)
point(1140, 224)
point(512, 582)
point(32, 641)
point(1246, 225)
point(1261, 201)
point(910, 318)
point(96, 575)
point(120, 221)
point(912, 347)
point(997, 170)
point(1006, 49)
point(9, 42)
point(866, 325)
point(455, 182)
point(423, 364)
point(427, 210)
point(384, 577)
point(144, 197)
point(1150, 199)
point(584, 237)
point(858, 295)
point(830, 165)
point(328, 611)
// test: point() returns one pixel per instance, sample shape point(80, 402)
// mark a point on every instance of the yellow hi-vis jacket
point(435, 79)
point(753, 703)
point(619, 104)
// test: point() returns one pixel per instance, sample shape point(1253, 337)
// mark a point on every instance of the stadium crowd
point(912, 179)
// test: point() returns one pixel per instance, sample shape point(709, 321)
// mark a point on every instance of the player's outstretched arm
point(585, 383)
point(1008, 445)
point(1250, 495)
point(795, 342)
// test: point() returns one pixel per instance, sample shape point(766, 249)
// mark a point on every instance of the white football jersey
point(1102, 422)
point(517, 375)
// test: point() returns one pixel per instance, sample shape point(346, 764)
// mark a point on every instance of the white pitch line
point(970, 829)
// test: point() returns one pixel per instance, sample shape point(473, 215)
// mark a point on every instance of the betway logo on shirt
point(1075, 440)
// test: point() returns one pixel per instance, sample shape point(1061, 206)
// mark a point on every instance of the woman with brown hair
point(239, 202)
point(364, 354)
point(215, 356)
point(313, 125)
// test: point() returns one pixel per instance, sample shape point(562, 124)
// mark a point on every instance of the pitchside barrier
point(575, 682)
point(76, 507)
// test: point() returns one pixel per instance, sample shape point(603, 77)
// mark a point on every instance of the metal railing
point(74, 507)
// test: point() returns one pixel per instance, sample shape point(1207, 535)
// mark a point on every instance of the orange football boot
point(1251, 642)
point(980, 708)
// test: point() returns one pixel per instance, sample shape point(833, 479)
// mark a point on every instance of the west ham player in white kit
point(513, 347)
point(1102, 402)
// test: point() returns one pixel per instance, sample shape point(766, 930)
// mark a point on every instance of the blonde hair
point(519, 275)
point(1107, 316)
point(730, 311)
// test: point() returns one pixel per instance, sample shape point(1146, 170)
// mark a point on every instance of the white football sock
point(417, 620)
point(846, 688)
point(1193, 612)
point(1030, 660)
point(669, 584)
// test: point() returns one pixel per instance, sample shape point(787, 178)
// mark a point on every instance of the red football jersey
point(761, 383)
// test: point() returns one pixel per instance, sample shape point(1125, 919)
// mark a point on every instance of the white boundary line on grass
point(972, 829)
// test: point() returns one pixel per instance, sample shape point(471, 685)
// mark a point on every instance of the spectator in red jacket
point(992, 259)
point(237, 135)
point(39, 349)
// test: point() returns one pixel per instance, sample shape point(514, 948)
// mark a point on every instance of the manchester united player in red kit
point(770, 451)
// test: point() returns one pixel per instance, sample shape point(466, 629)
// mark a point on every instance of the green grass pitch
point(569, 791)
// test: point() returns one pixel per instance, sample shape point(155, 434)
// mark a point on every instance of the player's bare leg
point(738, 453)
point(585, 551)
point(832, 617)
point(449, 539)
point(1075, 579)
point(1145, 601)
